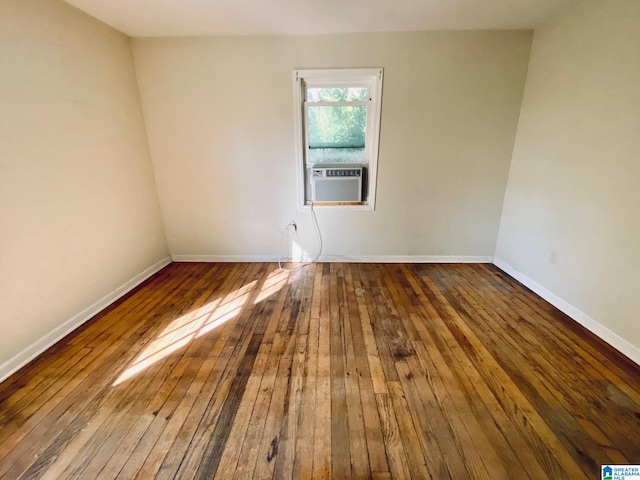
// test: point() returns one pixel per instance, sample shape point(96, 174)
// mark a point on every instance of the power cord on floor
point(288, 229)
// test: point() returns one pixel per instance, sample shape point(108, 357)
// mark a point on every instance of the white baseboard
point(224, 258)
point(613, 339)
point(405, 259)
point(18, 361)
point(339, 258)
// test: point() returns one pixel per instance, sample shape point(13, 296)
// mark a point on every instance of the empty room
point(328, 240)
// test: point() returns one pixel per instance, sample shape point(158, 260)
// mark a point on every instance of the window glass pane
point(336, 134)
point(336, 155)
point(337, 94)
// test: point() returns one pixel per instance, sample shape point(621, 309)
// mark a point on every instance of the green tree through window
point(336, 124)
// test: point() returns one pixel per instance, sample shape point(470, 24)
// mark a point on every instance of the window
point(337, 118)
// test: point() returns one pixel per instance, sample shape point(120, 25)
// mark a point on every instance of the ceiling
point(286, 17)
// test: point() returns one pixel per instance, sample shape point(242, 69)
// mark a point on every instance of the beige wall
point(78, 208)
point(574, 185)
point(219, 116)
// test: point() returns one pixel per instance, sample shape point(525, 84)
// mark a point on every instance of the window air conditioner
point(336, 184)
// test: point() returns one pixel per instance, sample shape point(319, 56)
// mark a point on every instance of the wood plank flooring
point(344, 371)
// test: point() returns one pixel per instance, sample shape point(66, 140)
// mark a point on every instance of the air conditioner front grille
point(336, 184)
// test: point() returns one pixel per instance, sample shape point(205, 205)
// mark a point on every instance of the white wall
point(78, 209)
point(574, 185)
point(219, 116)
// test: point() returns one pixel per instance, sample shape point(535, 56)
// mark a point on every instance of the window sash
point(341, 103)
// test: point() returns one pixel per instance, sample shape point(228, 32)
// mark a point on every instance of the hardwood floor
point(336, 371)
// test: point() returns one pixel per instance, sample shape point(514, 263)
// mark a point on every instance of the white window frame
point(369, 77)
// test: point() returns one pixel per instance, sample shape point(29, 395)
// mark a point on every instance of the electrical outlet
point(553, 257)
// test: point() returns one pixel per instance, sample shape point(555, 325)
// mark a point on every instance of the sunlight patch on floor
point(184, 329)
point(275, 281)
